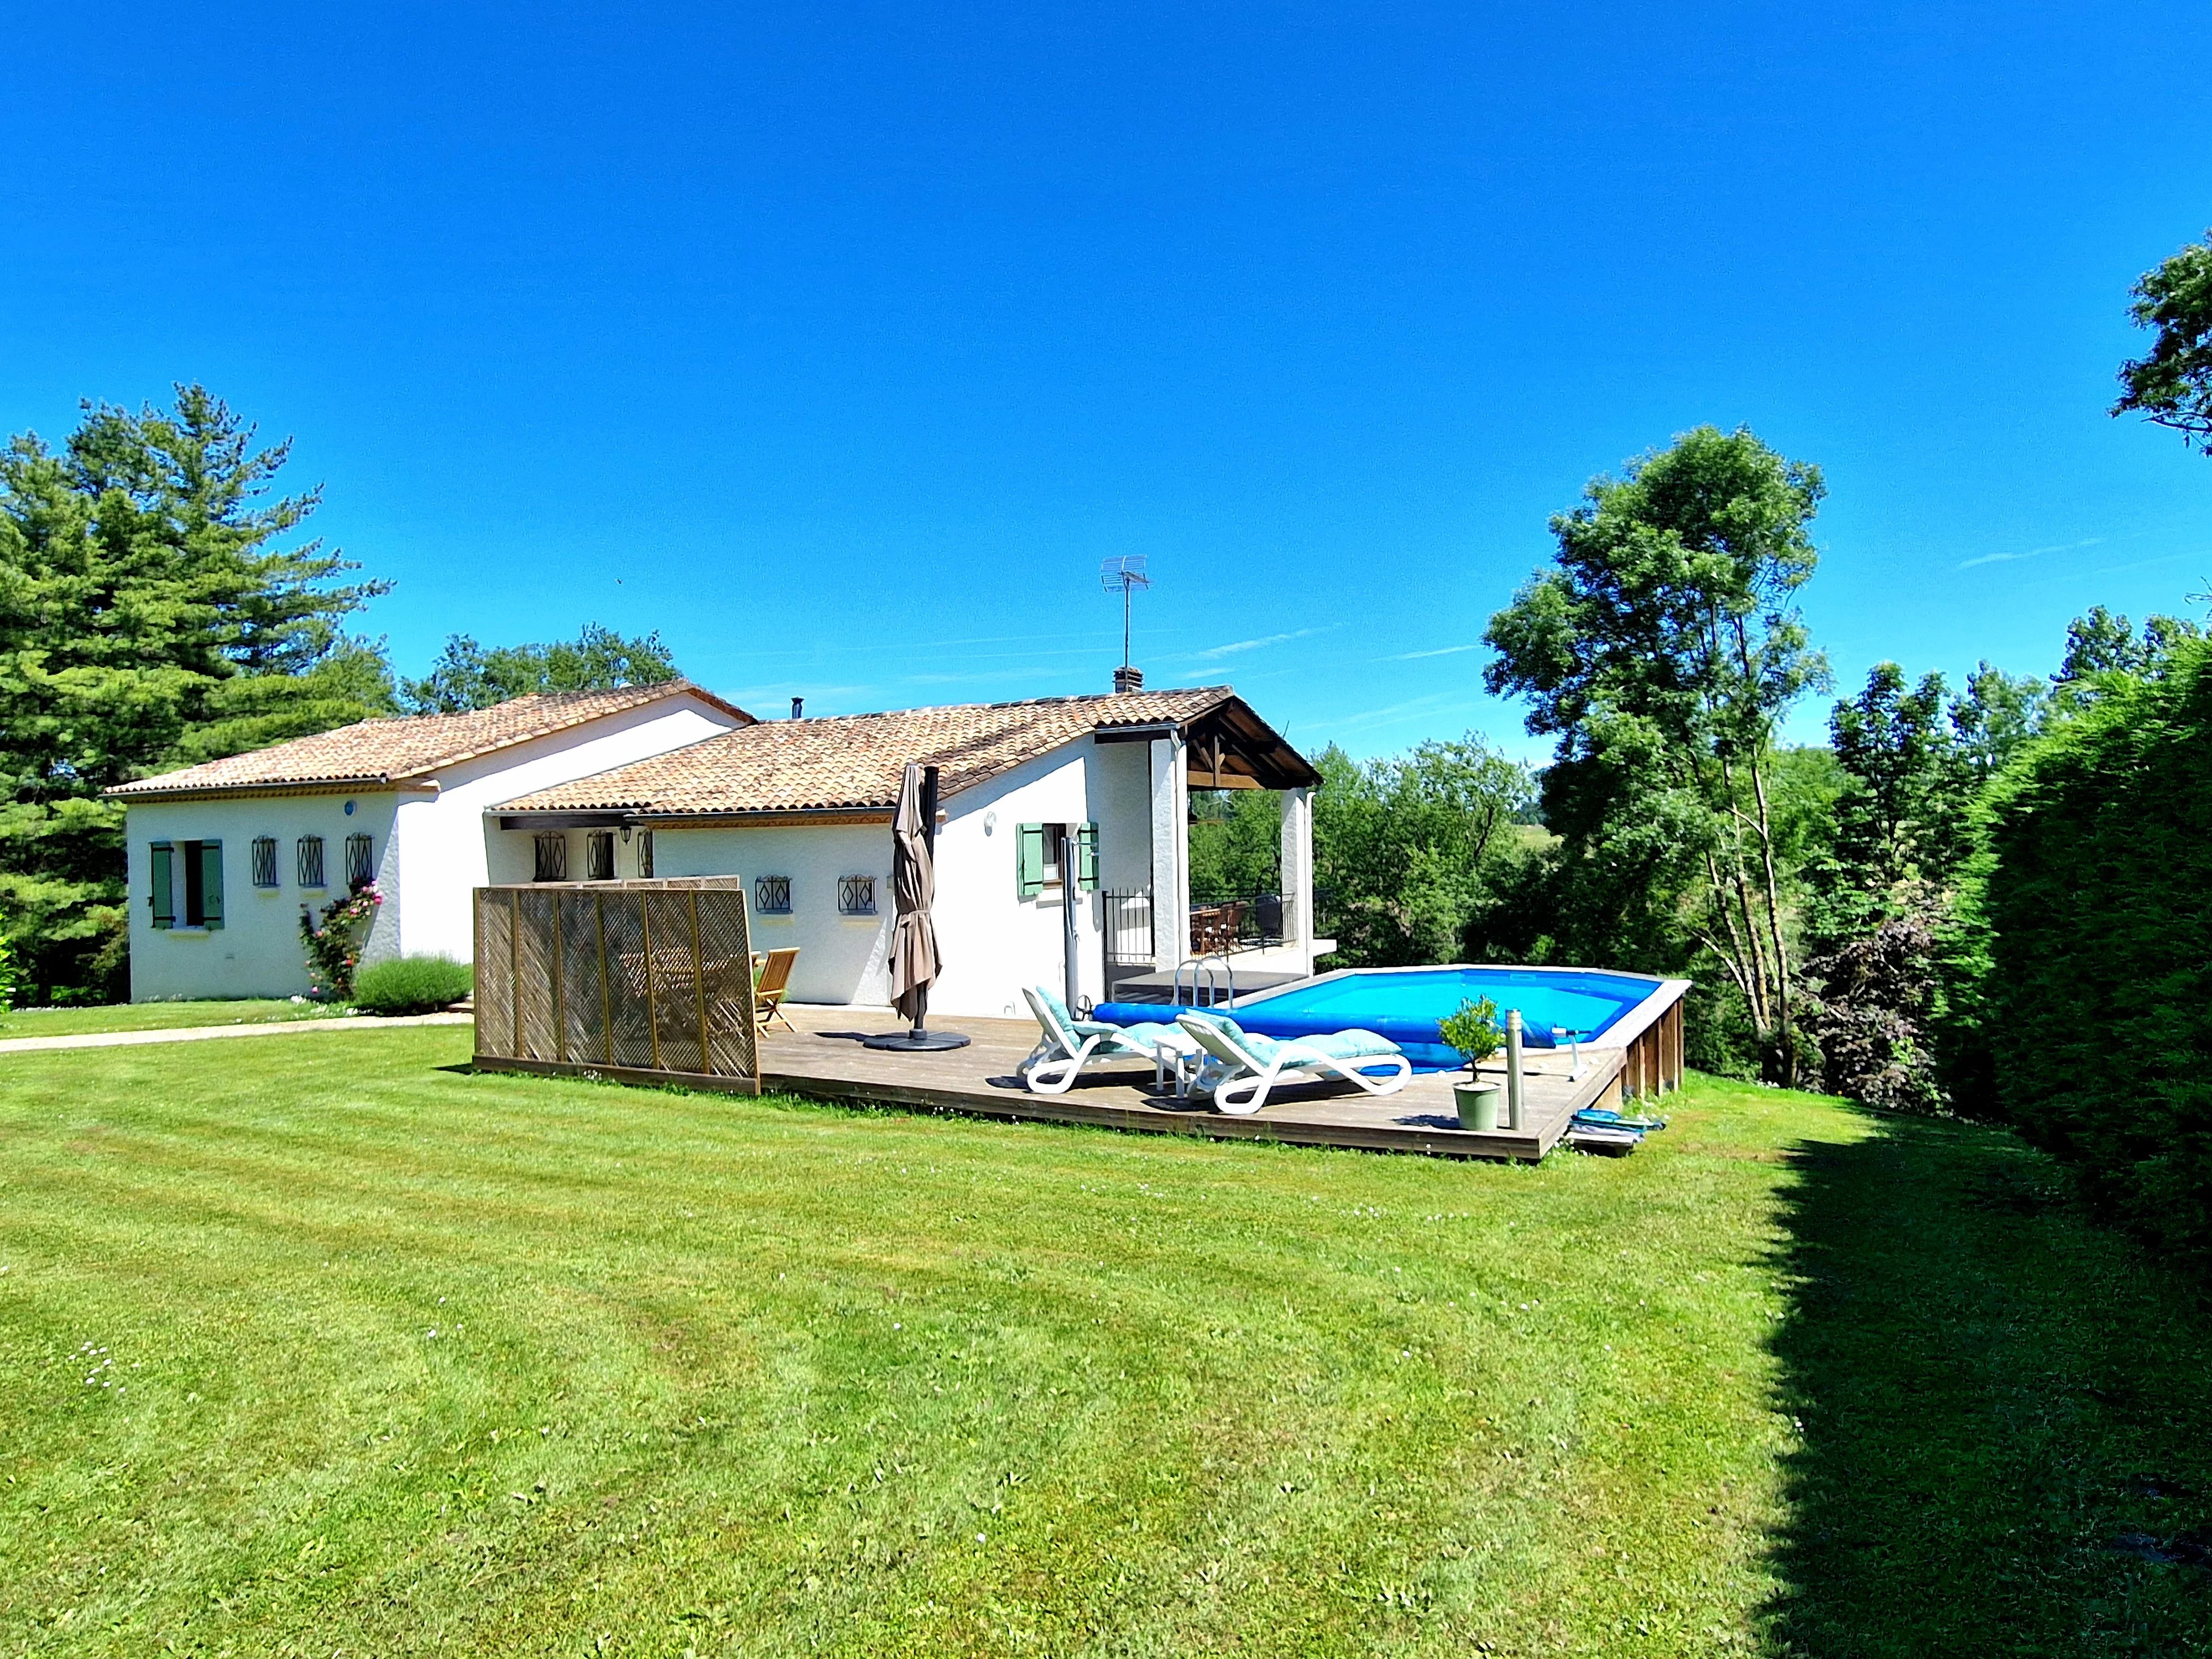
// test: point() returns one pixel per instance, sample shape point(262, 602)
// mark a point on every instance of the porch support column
point(1297, 875)
point(1170, 848)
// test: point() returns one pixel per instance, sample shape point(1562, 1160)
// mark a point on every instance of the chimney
point(1126, 678)
point(798, 708)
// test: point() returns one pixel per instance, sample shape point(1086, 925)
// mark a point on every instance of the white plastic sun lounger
point(1245, 1065)
point(1066, 1045)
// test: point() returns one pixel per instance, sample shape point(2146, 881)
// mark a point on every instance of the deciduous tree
point(1660, 650)
point(2171, 383)
point(468, 674)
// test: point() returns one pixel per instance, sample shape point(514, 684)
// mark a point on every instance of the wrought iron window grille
point(264, 861)
point(308, 862)
point(599, 855)
point(645, 854)
point(549, 862)
point(361, 861)
point(772, 896)
point(856, 896)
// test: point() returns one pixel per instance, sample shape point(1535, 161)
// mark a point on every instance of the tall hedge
point(2098, 906)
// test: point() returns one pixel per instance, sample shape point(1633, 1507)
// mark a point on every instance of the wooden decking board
point(824, 1060)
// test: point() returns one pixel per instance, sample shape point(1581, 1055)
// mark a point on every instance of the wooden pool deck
point(824, 1058)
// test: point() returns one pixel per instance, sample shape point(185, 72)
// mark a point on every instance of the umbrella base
point(915, 1042)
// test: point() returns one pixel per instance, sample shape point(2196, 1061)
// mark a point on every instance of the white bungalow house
point(222, 855)
point(802, 810)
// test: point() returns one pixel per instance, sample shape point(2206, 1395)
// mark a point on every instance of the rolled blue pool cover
point(1420, 1038)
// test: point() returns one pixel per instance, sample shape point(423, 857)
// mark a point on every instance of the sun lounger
point(1066, 1045)
point(1246, 1065)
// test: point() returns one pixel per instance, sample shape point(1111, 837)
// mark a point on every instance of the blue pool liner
point(1408, 1005)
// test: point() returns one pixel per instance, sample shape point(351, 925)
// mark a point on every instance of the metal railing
point(1239, 923)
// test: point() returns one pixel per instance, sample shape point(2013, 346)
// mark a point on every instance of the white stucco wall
point(255, 952)
point(431, 853)
point(445, 841)
point(841, 957)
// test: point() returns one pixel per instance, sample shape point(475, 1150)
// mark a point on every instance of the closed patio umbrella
point(913, 960)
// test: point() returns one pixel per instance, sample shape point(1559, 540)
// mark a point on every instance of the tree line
point(1847, 910)
point(162, 604)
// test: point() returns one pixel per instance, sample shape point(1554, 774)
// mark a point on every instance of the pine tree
point(153, 611)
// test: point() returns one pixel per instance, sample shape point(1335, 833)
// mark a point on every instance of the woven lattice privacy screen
point(617, 976)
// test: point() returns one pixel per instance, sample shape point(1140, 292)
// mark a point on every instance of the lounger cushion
point(1354, 1044)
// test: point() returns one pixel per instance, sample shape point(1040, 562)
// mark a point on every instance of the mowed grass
point(321, 1346)
point(155, 1017)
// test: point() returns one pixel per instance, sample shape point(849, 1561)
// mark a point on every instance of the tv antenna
point(1124, 573)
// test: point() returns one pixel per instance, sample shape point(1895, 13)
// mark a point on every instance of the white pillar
point(1297, 875)
point(1170, 854)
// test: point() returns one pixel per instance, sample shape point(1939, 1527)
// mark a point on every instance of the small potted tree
point(1472, 1030)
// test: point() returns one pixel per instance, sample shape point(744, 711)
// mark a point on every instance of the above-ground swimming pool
point(1407, 1005)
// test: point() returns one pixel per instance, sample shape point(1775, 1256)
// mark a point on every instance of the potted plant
point(1472, 1030)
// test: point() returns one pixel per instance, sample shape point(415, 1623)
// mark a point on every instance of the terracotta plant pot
point(1478, 1104)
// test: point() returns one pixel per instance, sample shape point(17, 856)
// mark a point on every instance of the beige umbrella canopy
point(914, 963)
point(914, 887)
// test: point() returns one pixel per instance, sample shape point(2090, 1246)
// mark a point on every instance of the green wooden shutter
point(165, 886)
point(1029, 871)
point(1086, 857)
point(212, 883)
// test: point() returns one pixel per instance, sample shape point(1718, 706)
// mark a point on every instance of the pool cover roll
point(1419, 1038)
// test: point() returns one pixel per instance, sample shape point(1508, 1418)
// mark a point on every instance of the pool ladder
point(1204, 965)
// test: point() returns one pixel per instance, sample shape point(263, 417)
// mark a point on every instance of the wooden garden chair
point(771, 979)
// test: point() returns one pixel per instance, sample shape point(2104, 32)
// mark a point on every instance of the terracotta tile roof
point(848, 761)
point(385, 751)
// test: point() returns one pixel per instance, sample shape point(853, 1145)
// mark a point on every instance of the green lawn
point(329, 1345)
point(155, 1017)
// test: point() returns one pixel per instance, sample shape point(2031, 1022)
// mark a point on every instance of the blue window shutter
point(1086, 857)
point(212, 883)
point(165, 886)
point(1028, 871)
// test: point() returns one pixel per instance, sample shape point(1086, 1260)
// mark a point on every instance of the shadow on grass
point(2005, 1413)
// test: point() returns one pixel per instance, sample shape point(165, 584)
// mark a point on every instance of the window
point(645, 854)
point(309, 859)
point(772, 896)
point(599, 855)
point(856, 896)
point(551, 862)
point(1037, 849)
point(361, 861)
point(187, 883)
point(264, 861)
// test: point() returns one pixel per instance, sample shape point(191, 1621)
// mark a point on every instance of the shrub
point(1472, 1030)
point(2096, 904)
point(412, 985)
point(333, 944)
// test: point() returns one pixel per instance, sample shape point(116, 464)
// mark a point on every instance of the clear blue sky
point(839, 345)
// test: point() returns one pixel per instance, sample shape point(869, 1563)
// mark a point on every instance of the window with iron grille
point(308, 862)
point(599, 855)
point(361, 861)
point(264, 861)
point(772, 896)
point(645, 854)
point(551, 860)
point(856, 896)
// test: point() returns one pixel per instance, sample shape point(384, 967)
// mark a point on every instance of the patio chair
point(1244, 1065)
point(1066, 1045)
point(771, 979)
